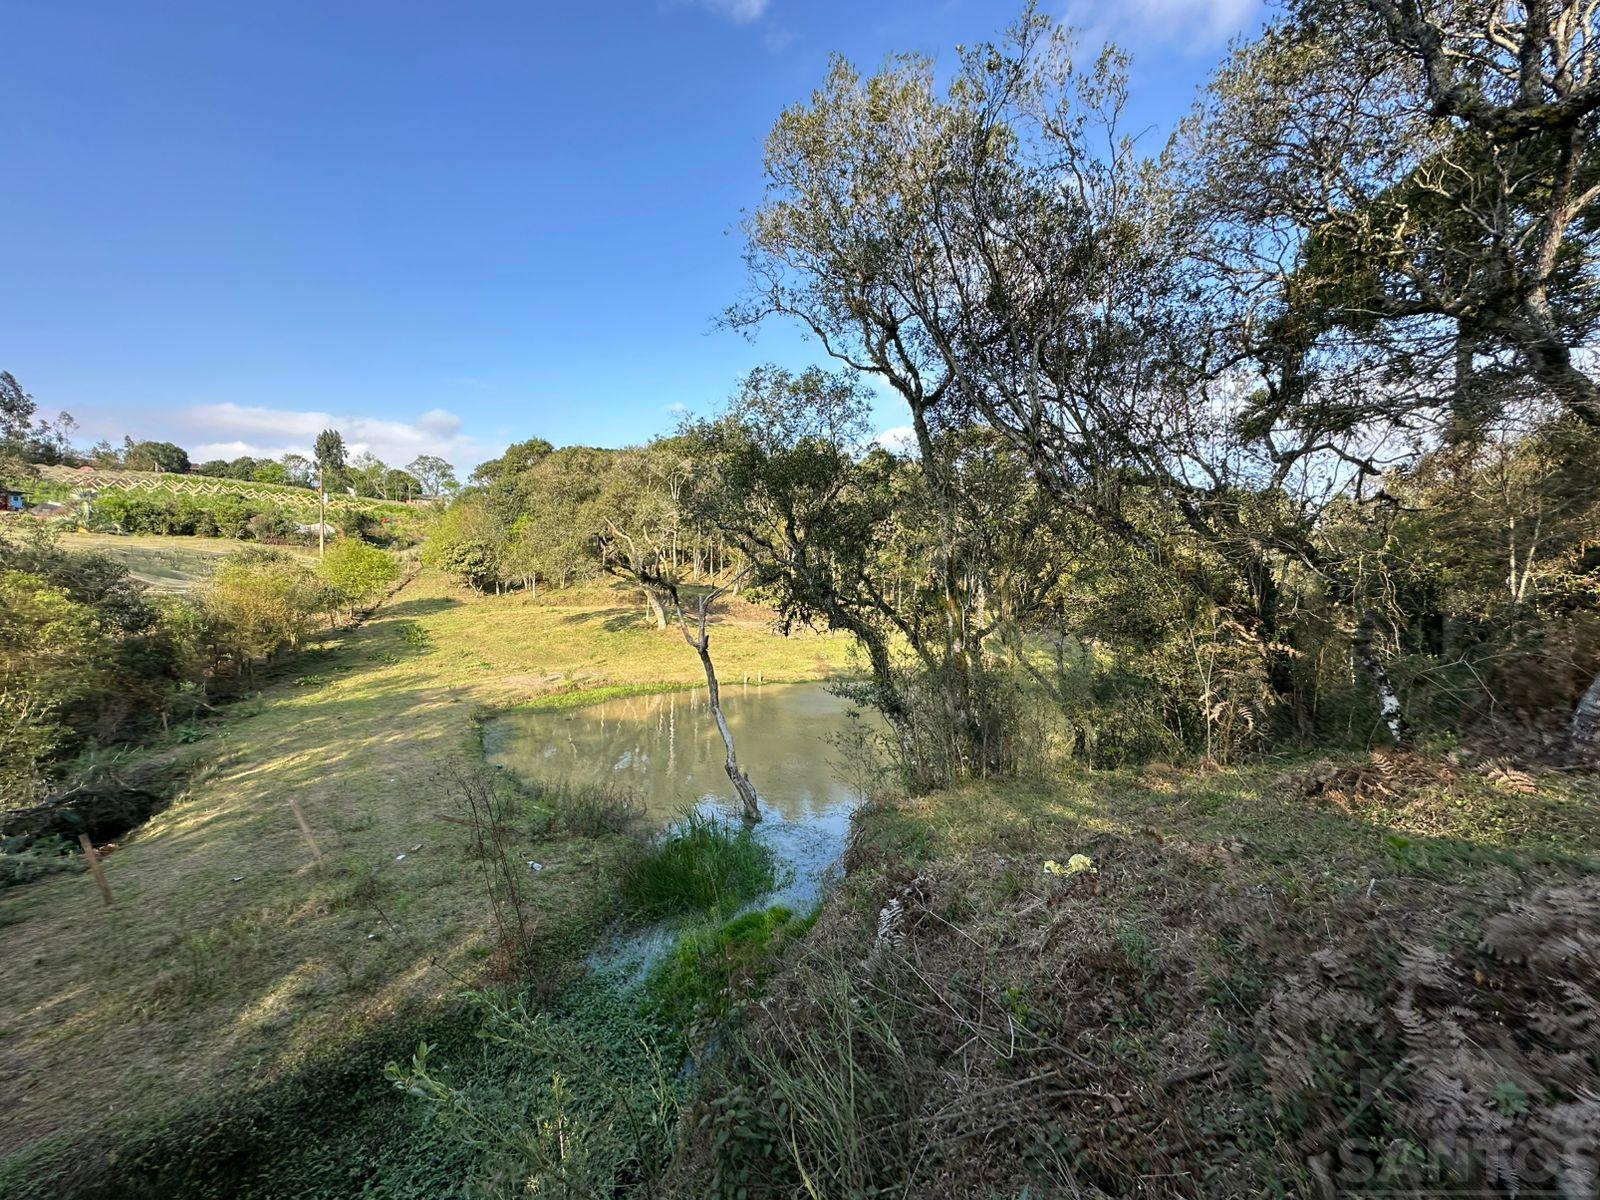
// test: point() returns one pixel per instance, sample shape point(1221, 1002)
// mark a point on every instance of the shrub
point(700, 865)
point(357, 571)
point(230, 516)
point(262, 601)
point(53, 652)
point(271, 525)
point(46, 856)
point(86, 655)
point(468, 542)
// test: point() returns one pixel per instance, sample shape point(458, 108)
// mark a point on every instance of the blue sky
point(440, 226)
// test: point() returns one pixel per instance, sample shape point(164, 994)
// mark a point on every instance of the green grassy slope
point(228, 955)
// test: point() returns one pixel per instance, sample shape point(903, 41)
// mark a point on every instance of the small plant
point(592, 1111)
point(487, 813)
point(414, 635)
point(700, 865)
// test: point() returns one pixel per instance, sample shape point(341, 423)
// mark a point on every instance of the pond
point(666, 748)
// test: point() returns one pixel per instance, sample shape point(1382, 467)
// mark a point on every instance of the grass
point(370, 1136)
point(962, 1021)
point(569, 809)
point(167, 564)
point(711, 968)
point(699, 866)
point(291, 961)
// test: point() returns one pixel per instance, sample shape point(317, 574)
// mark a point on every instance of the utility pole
point(322, 509)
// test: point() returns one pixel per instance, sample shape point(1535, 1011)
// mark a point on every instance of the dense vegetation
point(90, 658)
point(1284, 438)
point(1231, 618)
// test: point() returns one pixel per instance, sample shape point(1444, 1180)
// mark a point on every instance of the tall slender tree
point(330, 455)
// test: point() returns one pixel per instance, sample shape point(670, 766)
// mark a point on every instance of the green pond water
point(666, 749)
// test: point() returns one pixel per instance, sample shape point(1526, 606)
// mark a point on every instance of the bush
point(700, 865)
point(24, 863)
point(469, 543)
point(357, 571)
point(271, 525)
point(260, 602)
point(230, 516)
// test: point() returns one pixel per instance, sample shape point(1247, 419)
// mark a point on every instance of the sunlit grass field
point(228, 955)
point(168, 564)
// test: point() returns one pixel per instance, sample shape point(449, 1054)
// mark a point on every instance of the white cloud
point(1198, 24)
point(230, 430)
point(740, 12)
point(901, 439)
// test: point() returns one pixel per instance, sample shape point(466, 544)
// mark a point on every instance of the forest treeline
point(1282, 432)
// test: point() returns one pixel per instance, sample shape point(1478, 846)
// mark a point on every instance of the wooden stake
point(305, 828)
point(94, 866)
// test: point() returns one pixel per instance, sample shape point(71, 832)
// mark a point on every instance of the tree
point(1399, 208)
point(518, 457)
point(468, 542)
point(17, 409)
point(997, 254)
point(298, 470)
point(329, 452)
point(1404, 180)
point(156, 456)
point(358, 572)
point(24, 442)
point(436, 476)
point(267, 471)
point(400, 485)
point(642, 565)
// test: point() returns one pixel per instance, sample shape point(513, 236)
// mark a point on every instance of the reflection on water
point(667, 749)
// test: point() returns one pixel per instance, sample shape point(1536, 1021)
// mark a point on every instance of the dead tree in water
point(662, 588)
point(700, 639)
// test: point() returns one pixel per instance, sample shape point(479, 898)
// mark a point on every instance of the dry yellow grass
point(167, 564)
point(228, 954)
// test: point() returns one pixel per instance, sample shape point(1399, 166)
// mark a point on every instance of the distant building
point(15, 500)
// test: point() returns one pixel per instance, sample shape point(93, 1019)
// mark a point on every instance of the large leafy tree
point(998, 253)
point(329, 453)
point(1412, 188)
point(434, 473)
point(24, 441)
point(156, 456)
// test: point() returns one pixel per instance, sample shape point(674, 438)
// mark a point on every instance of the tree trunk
point(1371, 665)
point(1583, 735)
point(736, 776)
point(657, 609)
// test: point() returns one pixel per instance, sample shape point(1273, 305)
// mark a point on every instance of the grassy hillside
point(66, 483)
point(228, 955)
point(167, 564)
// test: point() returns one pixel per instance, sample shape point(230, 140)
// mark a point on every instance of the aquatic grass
point(585, 810)
point(711, 966)
point(700, 865)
